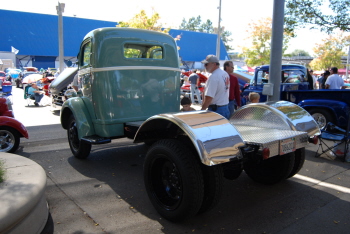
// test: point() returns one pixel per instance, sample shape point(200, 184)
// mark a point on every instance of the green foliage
point(298, 53)
point(196, 25)
point(313, 14)
point(142, 21)
point(2, 171)
point(329, 52)
point(260, 34)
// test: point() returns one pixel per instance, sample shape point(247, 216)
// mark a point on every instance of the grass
point(2, 171)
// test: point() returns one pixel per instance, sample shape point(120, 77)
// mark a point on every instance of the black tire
point(80, 149)
point(322, 117)
point(298, 162)
point(173, 180)
point(272, 170)
point(9, 139)
point(213, 186)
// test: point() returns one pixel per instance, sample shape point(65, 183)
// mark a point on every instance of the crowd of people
point(222, 92)
point(330, 79)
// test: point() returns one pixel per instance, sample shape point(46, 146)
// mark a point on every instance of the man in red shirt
point(235, 93)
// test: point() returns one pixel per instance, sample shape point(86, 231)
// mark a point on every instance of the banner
point(14, 50)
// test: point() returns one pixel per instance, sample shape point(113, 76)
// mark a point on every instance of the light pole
point(219, 34)
point(60, 10)
point(347, 64)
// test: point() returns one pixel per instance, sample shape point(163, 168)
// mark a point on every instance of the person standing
point(334, 81)
point(194, 80)
point(216, 96)
point(234, 94)
point(314, 79)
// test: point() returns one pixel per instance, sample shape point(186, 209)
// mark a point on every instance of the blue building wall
point(37, 35)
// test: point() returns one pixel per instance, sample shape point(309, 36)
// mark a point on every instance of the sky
point(235, 14)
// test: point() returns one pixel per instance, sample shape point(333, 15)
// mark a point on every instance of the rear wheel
point(298, 162)
point(173, 180)
point(272, 170)
point(80, 149)
point(322, 117)
point(9, 139)
point(213, 186)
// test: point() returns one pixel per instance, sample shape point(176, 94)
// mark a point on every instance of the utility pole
point(219, 34)
point(276, 48)
point(60, 10)
point(347, 64)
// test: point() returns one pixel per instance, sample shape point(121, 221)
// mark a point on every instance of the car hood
point(63, 80)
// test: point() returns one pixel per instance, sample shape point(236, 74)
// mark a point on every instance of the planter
point(23, 204)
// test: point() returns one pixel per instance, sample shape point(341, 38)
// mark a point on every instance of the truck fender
point(213, 137)
point(338, 109)
point(15, 124)
point(77, 107)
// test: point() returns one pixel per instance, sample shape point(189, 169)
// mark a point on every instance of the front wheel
point(80, 149)
point(9, 139)
point(173, 180)
point(272, 170)
point(322, 117)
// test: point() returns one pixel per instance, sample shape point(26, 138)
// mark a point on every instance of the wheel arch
point(215, 140)
point(76, 107)
point(6, 121)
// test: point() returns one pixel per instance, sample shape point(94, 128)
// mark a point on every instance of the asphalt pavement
point(105, 193)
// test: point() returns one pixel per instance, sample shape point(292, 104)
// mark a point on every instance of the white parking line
point(324, 184)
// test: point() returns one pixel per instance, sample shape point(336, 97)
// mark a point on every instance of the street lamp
point(60, 10)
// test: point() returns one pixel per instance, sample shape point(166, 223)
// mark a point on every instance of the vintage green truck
point(130, 87)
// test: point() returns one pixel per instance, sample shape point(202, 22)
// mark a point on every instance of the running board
point(94, 139)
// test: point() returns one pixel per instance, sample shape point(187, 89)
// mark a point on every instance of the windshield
point(287, 76)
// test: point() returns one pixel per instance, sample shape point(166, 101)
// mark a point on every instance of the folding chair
point(336, 136)
point(28, 97)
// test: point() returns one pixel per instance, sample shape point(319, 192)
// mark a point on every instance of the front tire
point(272, 170)
point(322, 117)
point(173, 180)
point(9, 139)
point(80, 149)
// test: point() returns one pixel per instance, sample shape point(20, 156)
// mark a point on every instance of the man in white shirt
point(314, 78)
point(334, 81)
point(216, 96)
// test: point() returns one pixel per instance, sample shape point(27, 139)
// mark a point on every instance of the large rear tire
point(298, 162)
point(213, 186)
point(272, 170)
point(9, 139)
point(80, 149)
point(173, 180)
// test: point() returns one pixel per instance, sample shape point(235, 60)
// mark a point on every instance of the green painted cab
point(125, 75)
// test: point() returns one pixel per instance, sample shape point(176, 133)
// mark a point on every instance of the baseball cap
point(210, 59)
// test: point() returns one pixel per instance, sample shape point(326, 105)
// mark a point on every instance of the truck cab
point(293, 77)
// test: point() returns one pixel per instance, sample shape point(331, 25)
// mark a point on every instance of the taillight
point(266, 153)
point(313, 140)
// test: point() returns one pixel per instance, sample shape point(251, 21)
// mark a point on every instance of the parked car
point(11, 130)
point(59, 86)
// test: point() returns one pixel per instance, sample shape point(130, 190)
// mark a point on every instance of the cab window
point(143, 51)
point(86, 55)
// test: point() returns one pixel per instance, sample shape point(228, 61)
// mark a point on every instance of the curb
point(23, 204)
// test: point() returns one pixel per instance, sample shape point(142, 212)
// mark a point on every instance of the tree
point(260, 34)
point(329, 53)
point(313, 13)
point(298, 53)
point(196, 25)
point(142, 21)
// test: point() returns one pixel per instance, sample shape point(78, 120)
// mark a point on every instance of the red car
point(11, 130)
point(186, 88)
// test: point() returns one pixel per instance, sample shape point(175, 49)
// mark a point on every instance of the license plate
point(287, 146)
